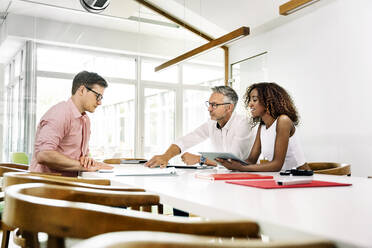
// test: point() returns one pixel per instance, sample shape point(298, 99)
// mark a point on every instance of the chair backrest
point(169, 240)
point(4, 169)
point(15, 165)
point(330, 168)
point(55, 210)
point(24, 177)
point(19, 157)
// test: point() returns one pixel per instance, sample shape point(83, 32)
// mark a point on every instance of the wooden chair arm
point(15, 165)
point(27, 199)
point(96, 181)
point(4, 170)
point(18, 178)
point(171, 240)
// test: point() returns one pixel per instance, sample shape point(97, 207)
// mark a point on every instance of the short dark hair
point(88, 79)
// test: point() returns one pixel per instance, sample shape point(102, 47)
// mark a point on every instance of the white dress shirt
point(236, 136)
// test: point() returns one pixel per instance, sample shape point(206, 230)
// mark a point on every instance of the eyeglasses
point(99, 96)
point(215, 105)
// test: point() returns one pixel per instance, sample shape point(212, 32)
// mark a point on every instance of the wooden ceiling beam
point(236, 34)
point(176, 20)
point(294, 5)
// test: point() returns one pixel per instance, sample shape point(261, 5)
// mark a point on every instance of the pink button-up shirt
point(63, 129)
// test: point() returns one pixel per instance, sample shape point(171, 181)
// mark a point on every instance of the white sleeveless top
point(294, 157)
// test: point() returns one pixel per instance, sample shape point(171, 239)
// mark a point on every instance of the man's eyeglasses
point(99, 96)
point(215, 105)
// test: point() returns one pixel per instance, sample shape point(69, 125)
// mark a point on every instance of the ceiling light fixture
point(294, 5)
point(95, 6)
point(227, 38)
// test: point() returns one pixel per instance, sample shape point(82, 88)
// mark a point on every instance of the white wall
point(324, 59)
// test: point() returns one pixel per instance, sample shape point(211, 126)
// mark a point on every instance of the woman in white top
point(271, 107)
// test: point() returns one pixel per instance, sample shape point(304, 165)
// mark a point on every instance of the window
point(15, 114)
point(202, 75)
point(141, 113)
point(113, 123)
point(50, 91)
point(194, 111)
point(159, 120)
point(72, 61)
point(168, 75)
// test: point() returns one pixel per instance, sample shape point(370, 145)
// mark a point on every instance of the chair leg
point(160, 209)
point(55, 242)
point(146, 209)
point(31, 239)
point(5, 240)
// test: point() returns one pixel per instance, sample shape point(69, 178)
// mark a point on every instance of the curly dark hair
point(275, 99)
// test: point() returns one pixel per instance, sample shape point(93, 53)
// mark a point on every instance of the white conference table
point(340, 214)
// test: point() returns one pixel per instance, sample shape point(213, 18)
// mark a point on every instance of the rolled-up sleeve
point(51, 131)
point(195, 137)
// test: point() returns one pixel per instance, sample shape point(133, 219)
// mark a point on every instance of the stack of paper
point(144, 171)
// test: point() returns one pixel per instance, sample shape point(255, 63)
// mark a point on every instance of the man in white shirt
point(228, 132)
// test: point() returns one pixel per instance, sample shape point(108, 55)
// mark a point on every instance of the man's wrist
point(202, 160)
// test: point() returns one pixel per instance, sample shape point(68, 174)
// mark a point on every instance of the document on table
point(144, 171)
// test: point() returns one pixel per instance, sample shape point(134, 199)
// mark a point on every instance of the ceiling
point(214, 17)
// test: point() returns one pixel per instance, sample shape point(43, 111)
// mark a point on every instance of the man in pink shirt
point(62, 136)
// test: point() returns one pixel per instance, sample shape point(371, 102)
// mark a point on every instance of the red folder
point(231, 176)
point(271, 184)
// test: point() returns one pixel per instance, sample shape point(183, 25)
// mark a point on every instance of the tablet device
point(224, 155)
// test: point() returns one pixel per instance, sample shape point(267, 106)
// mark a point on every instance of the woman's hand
point(231, 164)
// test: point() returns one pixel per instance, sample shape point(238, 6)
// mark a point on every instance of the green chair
point(19, 158)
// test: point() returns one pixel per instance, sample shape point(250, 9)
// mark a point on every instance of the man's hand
point(190, 159)
point(86, 162)
point(99, 166)
point(158, 160)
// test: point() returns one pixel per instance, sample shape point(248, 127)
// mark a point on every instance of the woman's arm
point(256, 148)
point(283, 132)
point(252, 158)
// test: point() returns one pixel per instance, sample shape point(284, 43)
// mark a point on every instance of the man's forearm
point(172, 151)
point(58, 161)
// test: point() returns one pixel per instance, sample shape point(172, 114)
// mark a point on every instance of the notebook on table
point(142, 171)
point(271, 184)
point(199, 167)
point(231, 176)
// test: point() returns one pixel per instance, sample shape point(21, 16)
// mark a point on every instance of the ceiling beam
point(236, 34)
point(176, 20)
point(187, 26)
point(294, 5)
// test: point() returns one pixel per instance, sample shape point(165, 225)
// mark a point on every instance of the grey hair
point(228, 92)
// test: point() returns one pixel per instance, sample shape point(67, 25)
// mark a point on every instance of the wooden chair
point(330, 168)
point(55, 210)
point(170, 240)
point(27, 177)
point(15, 165)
